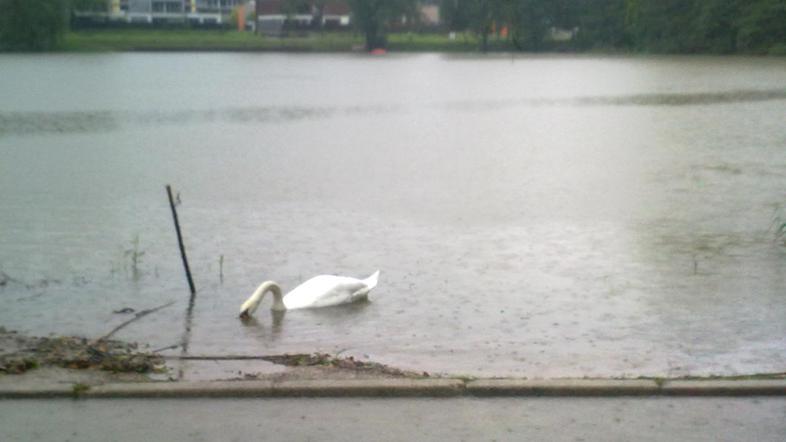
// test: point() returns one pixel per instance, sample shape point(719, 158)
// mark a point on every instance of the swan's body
point(319, 291)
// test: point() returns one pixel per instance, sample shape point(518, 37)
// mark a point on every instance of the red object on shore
point(378, 51)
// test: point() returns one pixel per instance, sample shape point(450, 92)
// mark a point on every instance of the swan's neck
point(272, 287)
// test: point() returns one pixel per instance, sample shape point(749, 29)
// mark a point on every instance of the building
point(270, 17)
point(274, 17)
point(197, 12)
point(336, 14)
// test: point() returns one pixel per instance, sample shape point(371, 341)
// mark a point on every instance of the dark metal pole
point(180, 240)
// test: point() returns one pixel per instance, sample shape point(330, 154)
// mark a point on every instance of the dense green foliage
point(32, 25)
point(601, 24)
point(673, 26)
point(374, 17)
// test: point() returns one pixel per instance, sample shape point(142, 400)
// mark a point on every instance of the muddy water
point(531, 216)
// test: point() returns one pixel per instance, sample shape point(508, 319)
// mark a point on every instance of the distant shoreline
point(233, 41)
point(184, 40)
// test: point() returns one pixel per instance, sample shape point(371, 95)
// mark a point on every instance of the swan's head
point(252, 303)
point(246, 313)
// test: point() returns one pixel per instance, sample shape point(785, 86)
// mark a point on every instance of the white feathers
point(319, 291)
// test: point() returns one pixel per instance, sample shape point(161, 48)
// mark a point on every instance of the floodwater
point(531, 216)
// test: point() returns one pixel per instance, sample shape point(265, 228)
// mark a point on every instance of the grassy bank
point(213, 40)
point(219, 40)
point(216, 40)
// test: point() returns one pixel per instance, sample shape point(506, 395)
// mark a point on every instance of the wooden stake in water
point(180, 240)
point(192, 299)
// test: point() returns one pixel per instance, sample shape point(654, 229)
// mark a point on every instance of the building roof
point(331, 7)
point(269, 7)
point(336, 7)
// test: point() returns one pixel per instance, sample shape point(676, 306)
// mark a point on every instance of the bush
point(32, 25)
point(779, 49)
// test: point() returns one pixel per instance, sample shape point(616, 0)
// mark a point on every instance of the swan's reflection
point(258, 328)
point(278, 320)
point(337, 316)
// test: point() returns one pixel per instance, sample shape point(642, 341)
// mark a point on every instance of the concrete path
point(426, 419)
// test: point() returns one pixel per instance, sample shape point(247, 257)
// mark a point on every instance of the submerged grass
point(78, 389)
point(335, 362)
point(779, 224)
point(20, 353)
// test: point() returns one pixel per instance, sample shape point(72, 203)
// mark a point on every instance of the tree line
point(36, 25)
point(661, 26)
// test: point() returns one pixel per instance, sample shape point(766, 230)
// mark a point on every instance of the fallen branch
point(216, 358)
point(5, 278)
point(324, 360)
point(137, 316)
point(168, 347)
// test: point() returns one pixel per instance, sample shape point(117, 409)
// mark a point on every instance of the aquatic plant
point(23, 353)
point(221, 268)
point(779, 224)
point(78, 389)
point(134, 256)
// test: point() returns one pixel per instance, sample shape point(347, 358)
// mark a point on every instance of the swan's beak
point(244, 314)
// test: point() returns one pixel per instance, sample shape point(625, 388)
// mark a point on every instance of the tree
point(564, 13)
point(455, 14)
point(717, 24)
point(373, 17)
point(664, 25)
point(762, 26)
point(32, 25)
point(601, 24)
point(530, 20)
point(481, 19)
point(480, 16)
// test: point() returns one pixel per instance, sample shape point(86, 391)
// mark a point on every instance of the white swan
point(319, 291)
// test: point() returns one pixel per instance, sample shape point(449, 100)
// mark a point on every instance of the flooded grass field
point(531, 216)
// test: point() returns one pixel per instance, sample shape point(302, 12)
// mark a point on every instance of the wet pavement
point(552, 419)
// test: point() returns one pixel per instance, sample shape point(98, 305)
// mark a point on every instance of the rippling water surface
point(531, 216)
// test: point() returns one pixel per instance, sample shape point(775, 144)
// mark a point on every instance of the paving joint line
point(388, 388)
